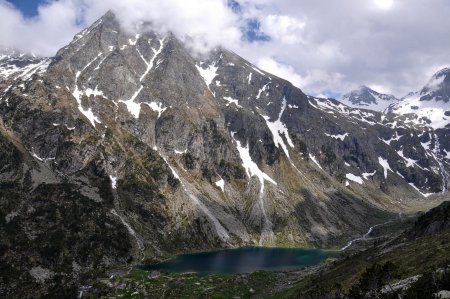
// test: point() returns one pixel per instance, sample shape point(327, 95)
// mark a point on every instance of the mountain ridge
point(367, 98)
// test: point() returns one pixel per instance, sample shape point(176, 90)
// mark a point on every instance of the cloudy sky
point(323, 47)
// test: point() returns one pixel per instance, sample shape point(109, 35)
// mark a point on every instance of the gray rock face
point(169, 152)
point(438, 88)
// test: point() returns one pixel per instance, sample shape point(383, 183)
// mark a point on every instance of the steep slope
point(367, 98)
point(185, 152)
point(434, 222)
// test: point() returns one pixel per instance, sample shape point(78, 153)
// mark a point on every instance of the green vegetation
point(217, 136)
point(189, 160)
point(229, 170)
point(406, 258)
point(327, 156)
point(140, 284)
point(392, 264)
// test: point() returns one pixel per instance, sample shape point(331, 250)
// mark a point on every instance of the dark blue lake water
point(243, 260)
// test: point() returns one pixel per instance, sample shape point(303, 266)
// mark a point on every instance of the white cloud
point(380, 88)
point(393, 44)
point(384, 4)
point(317, 81)
point(284, 28)
point(286, 72)
point(208, 22)
point(54, 26)
point(310, 81)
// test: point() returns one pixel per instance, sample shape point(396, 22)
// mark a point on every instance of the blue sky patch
point(29, 8)
point(252, 32)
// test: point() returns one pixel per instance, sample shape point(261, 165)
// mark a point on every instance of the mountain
point(431, 106)
point(14, 65)
point(130, 148)
point(366, 98)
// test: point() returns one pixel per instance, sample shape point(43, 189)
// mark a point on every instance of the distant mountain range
point(428, 107)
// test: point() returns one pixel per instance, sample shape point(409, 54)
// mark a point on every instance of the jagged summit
point(367, 98)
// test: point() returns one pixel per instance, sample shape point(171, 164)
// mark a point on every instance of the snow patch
point(158, 107)
point(94, 92)
point(41, 159)
point(113, 181)
point(418, 190)
point(257, 70)
point(338, 136)
point(396, 138)
point(251, 167)
point(354, 178)
point(277, 128)
point(384, 163)
point(409, 162)
point(231, 101)
point(180, 152)
point(135, 108)
point(221, 184)
point(77, 93)
point(133, 42)
point(261, 90)
point(207, 74)
point(313, 158)
point(366, 175)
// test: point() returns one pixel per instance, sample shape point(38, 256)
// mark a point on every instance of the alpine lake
point(243, 260)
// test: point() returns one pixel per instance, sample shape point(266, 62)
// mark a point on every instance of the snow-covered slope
point(430, 106)
point(367, 98)
point(14, 65)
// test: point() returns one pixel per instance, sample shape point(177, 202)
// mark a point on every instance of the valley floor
point(332, 279)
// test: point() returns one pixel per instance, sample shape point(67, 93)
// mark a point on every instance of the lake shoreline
point(245, 259)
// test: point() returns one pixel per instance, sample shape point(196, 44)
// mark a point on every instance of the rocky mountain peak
point(438, 87)
point(367, 98)
point(130, 69)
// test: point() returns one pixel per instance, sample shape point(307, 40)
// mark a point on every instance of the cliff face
point(129, 147)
